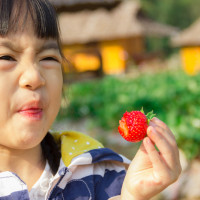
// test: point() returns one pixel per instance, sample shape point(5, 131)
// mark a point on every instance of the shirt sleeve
point(110, 183)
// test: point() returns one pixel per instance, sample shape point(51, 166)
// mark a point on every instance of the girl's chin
point(29, 140)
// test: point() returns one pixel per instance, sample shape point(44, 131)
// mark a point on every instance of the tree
point(179, 13)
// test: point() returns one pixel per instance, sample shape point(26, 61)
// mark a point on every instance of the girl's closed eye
point(50, 59)
point(7, 58)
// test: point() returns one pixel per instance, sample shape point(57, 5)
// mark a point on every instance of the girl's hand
point(151, 171)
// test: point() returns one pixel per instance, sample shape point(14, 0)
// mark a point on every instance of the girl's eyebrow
point(48, 45)
point(9, 45)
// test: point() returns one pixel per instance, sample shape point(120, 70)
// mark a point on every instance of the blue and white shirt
point(87, 171)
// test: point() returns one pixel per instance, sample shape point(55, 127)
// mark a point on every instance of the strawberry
point(133, 125)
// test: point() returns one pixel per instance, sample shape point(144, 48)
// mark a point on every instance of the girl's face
point(30, 88)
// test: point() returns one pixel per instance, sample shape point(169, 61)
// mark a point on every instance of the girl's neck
point(24, 163)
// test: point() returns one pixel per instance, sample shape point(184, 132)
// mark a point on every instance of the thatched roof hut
point(123, 21)
point(189, 42)
point(188, 37)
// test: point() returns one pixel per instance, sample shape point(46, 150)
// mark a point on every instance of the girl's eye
point(8, 58)
point(50, 59)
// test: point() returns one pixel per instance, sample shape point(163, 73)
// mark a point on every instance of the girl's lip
point(32, 110)
point(32, 113)
point(31, 105)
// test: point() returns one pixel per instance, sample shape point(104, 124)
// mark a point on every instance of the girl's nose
point(31, 78)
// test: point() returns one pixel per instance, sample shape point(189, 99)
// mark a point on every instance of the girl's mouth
point(32, 113)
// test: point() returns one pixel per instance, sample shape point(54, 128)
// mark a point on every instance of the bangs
point(14, 15)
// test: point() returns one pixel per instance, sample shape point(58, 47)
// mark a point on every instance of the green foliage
point(173, 96)
point(172, 12)
point(178, 13)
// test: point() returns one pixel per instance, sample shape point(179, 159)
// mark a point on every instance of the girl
point(37, 164)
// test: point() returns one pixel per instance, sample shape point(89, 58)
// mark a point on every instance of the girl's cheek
point(6, 65)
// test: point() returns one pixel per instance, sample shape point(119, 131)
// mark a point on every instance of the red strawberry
point(133, 125)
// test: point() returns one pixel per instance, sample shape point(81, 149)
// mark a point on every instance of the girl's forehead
point(23, 26)
point(22, 40)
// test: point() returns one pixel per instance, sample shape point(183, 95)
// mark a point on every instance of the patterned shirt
point(87, 171)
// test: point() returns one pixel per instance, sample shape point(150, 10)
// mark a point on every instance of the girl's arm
point(115, 198)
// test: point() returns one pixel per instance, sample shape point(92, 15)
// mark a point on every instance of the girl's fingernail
point(151, 129)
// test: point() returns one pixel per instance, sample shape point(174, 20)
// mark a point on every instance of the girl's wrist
point(126, 195)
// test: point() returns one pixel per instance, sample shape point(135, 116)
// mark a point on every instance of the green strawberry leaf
point(142, 110)
point(150, 115)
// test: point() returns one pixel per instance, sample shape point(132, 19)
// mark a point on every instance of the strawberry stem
point(150, 115)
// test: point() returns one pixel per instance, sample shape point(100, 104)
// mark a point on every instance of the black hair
point(13, 18)
point(51, 152)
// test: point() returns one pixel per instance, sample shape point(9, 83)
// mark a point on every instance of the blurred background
point(123, 55)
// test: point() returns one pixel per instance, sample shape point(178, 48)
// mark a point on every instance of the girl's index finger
point(155, 122)
point(168, 150)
